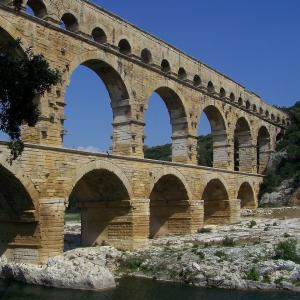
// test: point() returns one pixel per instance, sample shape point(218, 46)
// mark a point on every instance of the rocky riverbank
point(240, 256)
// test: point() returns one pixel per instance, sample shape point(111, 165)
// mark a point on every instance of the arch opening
point(101, 202)
point(263, 149)
point(124, 47)
point(167, 133)
point(17, 214)
point(212, 140)
point(69, 22)
point(246, 195)
point(165, 66)
point(146, 56)
point(243, 155)
point(232, 97)
point(197, 81)
point(240, 101)
point(37, 7)
point(222, 93)
point(169, 203)
point(96, 133)
point(216, 203)
point(210, 87)
point(99, 35)
point(182, 75)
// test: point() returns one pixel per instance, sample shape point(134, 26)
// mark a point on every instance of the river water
point(137, 289)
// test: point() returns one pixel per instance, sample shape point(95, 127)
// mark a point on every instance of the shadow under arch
point(169, 207)
point(246, 195)
point(219, 136)
point(104, 204)
point(263, 149)
point(119, 101)
point(178, 121)
point(216, 203)
point(18, 217)
point(243, 150)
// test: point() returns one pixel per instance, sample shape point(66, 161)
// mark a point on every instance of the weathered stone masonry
point(125, 199)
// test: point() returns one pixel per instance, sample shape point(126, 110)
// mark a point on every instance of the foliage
point(164, 152)
point(287, 250)
point(253, 274)
point(24, 76)
point(204, 230)
point(252, 224)
point(228, 242)
point(205, 150)
point(289, 167)
point(221, 254)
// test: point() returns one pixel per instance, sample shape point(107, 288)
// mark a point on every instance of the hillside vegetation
point(289, 166)
point(204, 151)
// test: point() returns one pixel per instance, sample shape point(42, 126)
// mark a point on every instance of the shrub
point(131, 264)
point(220, 254)
point(267, 278)
point(253, 274)
point(287, 250)
point(252, 224)
point(204, 230)
point(228, 242)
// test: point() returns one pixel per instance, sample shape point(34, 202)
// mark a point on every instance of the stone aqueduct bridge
point(124, 198)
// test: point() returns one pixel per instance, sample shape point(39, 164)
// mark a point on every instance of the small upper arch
point(124, 47)
point(210, 87)
point(182, 75)
point(38, 7)
point(240, 101)
point(99, 35)
point(146, 56)
point(222, 93)
point(248, 105)
point(165, 66)
point(70, 22)
point(232, 97)
point(197, 81)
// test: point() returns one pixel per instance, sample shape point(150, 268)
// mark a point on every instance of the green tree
point(24, 76)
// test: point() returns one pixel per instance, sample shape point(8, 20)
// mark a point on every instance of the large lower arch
point(243, 149)
point(18, 218)
point(169, 207)
point(219, 137)
point(246, 195)
point(179, 123)
point(104, 203)
point(216, 203)
point(119, 102)
point(263, 149)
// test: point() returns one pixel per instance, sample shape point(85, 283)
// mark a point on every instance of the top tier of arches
point(133, 42)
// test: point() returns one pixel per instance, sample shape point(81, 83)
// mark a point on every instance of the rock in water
point(74, 270)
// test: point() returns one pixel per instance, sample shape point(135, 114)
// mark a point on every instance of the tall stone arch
point(183, 143)
point(219, 134)
point(243, 146)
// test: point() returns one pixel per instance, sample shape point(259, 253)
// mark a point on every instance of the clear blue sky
point(256, 42)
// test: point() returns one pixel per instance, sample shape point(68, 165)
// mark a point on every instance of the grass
point(72, 217)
